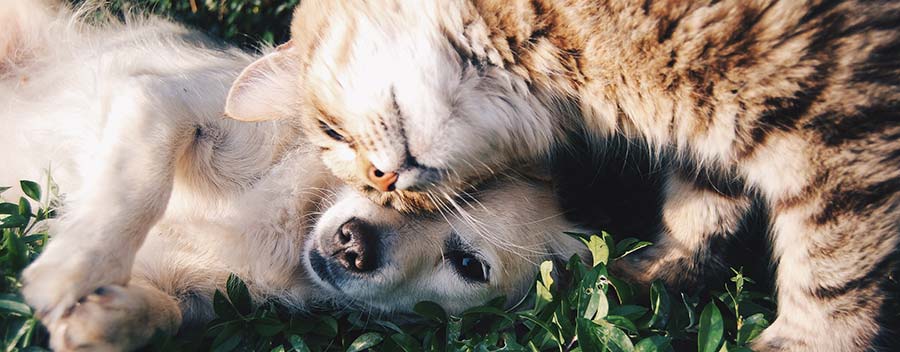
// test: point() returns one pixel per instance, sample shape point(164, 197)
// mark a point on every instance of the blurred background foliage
point(242, 22)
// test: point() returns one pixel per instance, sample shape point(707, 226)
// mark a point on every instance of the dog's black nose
point(356, 246)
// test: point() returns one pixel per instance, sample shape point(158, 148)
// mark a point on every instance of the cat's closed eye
point(331, 132)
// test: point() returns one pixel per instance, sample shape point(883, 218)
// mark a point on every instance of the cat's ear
point(265, 90)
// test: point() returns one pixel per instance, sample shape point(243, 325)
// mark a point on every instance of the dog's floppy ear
point(266, 89)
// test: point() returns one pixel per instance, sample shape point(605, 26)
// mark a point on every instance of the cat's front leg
point(698, 219)
point(126, 190)
point(837, 251)
point(115, 318)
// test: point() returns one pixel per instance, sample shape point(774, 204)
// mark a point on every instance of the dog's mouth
point(323, 271)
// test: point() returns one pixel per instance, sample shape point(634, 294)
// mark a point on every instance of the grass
point(242, 22)
point(588, 310)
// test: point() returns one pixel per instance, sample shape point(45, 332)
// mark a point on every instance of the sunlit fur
point(791, 102)
point(265, 236)
point(163, 197)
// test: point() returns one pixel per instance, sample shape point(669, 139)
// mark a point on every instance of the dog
point(166, 198)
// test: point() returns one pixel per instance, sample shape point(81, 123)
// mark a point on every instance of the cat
point(794, 103)
point(164, 197)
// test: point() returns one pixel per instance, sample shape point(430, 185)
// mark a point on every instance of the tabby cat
point(793, 102)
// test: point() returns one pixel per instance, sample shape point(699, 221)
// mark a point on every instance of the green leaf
point(239, 295)
point(623, 245)
point(328, 327)
point(712, 329)
point(624, 291)
point(18, 333)
point(609, 240)
point(690, 304)
point(16, 251)
point(4, 189)
point(631, 247)
point(553, 333)
point(228, 338)
point(632, 312)
point(622, 322)
point(587, 337)
point(592, 301)
point(223, 308)
point(599, 250)
point(542, 296)
point(390, 325)
point(9, 208)
point(654, 343)
point(731, 348)
point(546, 273)
point(614, 338)
point(405, 342)
point(751, 328)
point(488, 310)
point(660, 305)
point(31, 189)
point(24, 207)
point(13, 221)
point(364, 341)
point(268, 326)
point(431, 310)
point(12, 304)
point(602, 336)
point(580, 236)
point(297, 344)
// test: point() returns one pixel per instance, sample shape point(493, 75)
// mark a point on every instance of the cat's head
point(404, 99)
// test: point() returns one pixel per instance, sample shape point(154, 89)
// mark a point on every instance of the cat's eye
point(469, 266)
point(331, 132)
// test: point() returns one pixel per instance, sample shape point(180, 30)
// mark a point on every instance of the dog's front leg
point(126, 190)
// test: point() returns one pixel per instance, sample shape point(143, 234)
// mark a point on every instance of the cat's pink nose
point(382, 181)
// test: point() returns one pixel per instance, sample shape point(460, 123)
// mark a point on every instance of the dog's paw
point(113, 318)
point(63, 274)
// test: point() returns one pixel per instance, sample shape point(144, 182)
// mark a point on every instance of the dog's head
point(476, 249)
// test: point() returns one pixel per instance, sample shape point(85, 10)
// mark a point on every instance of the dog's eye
point(331, 132)
point(469, 266)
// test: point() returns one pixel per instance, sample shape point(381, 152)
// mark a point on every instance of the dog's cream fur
point(129, 120)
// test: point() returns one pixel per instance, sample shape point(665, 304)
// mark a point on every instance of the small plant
point(573, 307)
point(23, 239)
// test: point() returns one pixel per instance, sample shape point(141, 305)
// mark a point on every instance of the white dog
point(167, 197)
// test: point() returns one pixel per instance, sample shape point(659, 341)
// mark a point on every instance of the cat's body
point(164, 197)
point(795, 102)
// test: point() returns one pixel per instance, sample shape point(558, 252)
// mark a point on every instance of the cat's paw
point(63, 274)
point(642, 268)
point(772, 341)
point(113, 318)
point(638, 268)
